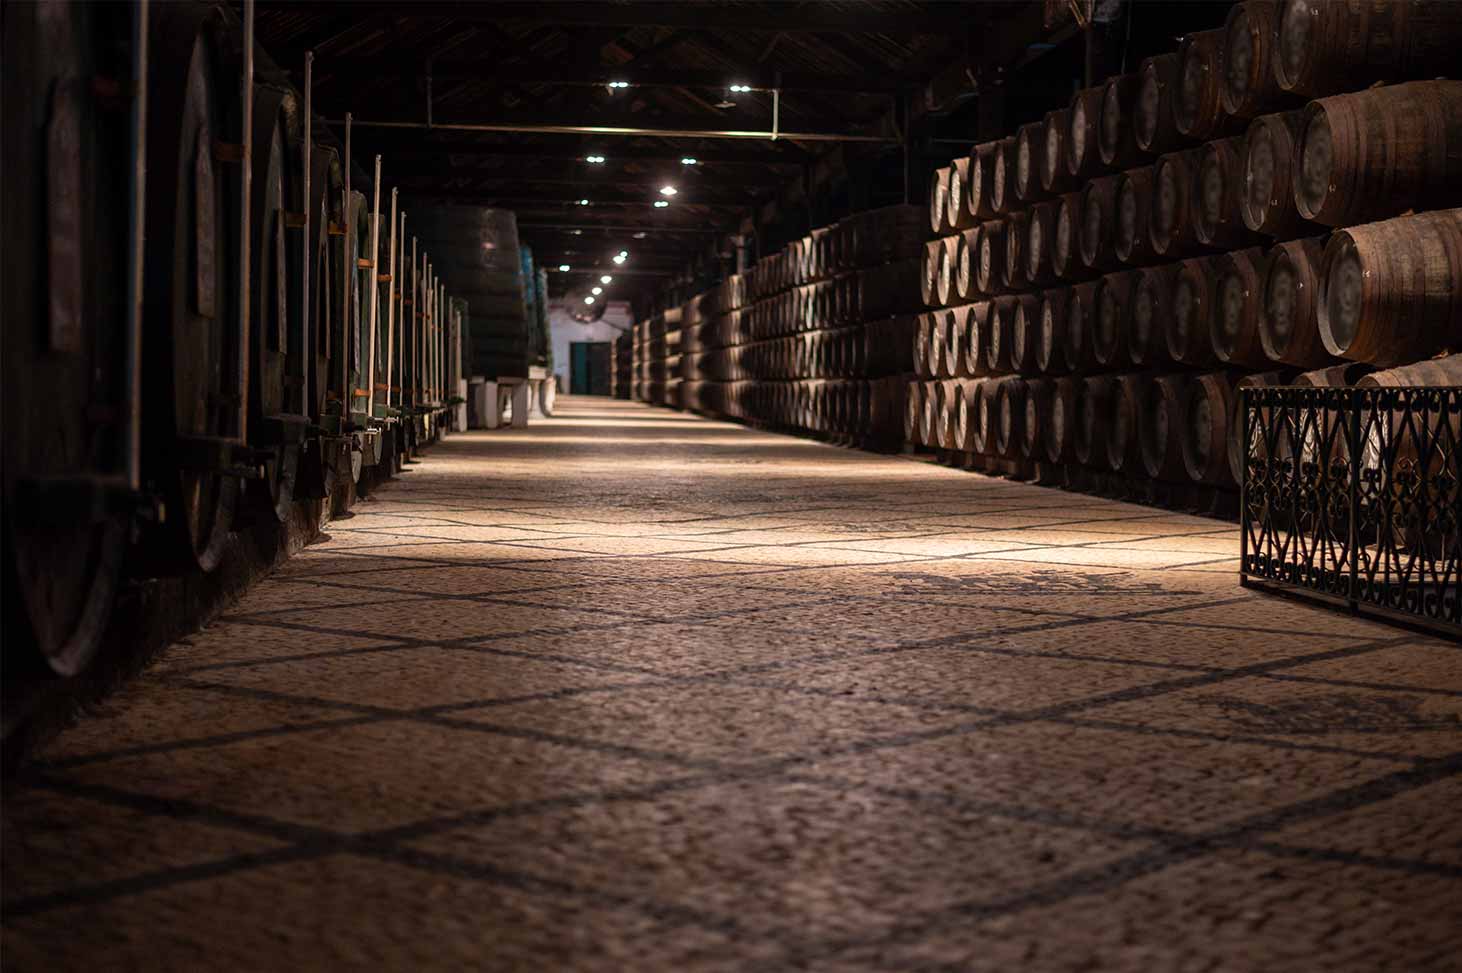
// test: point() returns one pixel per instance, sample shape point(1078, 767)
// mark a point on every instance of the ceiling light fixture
point(640, 235)
point(689, 160)
point(668, 190)
point(619, 84)
point(606, 279)
point(619, 258)
point(597, 160)
point(588, 300)
point(583, 202)
point(661, 204)
point(596, 291)
point(564, 268)
point(740, 88)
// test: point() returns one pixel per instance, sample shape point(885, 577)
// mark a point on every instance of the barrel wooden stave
point(1237, 296)
point(1289, 323)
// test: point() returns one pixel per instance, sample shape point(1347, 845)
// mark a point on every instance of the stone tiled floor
point(633, 690)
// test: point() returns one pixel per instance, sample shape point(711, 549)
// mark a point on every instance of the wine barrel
point(923, 334)
point(914, 413)
point(948, 264)
point(966, 286)
point(930, 422)
point(1190, 327)
point(1058, 432)
point(1051, 344)
point(1009, 423)
point(1025, 334)
point(928, 273)
point(1198, 108)
point(1325, 46)
point(1152, 305)
point(1160, 430)
point(1030, 146)
point(1083, 156)
point(1098, 238)
point(1091, 419)
point(1153, 122)
point(1237, 297)
point(1116, 129)
point(1279, 446)
point(1066, 241)
point(1124, 432)
point(1289, 323)
point(956, 216)
point(956, 330)
point(976, 327)
point(938, 196)
point(1055, 179)
point(938, 338)
point(64, 380)
point(1206, 429)
point(191, 370)
point(1218, 197)
point(1132, 242)
point(1001, 323)
point(1250, 86)
point(1038, 392)
point(1017, 229)
point(948, 396)
point(1112, 320)
point(986, 414)
point(1081, 311)
point(1040, 231)
point(989, 268)
point(981, 179)
point(1267, 200)
point(1174, 178)
point(1377, 153)
point(1391, 292)
point(1002, 177)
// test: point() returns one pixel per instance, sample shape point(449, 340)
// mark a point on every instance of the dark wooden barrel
point(1111, 322)
point(986, 415)
point(1267, 198)
point(1055, 178)
point(990, 267)
point(1066, 240)
point(1002, 177)
point(1124, 431)
point(1116, 128)
point(1153, 123)
point(1250, 86)
point(937, 366)
point(1132, 242)
point(949, 394)
point(1289, 321)
point(966, 284)
point(1092, 417)
point(1040, 232)
point(938, 196)
point(1237, 296)
point(1051, 343)
point(1030, 145)
point(1001, 324)
point(1152, 306)
point(1217, 196)
point(1326, 46)
point(1174, 179)
point(1081, 311)
point(1189, 328)
point(1376, 153)
point(923, 334)
point(1058, 431)
point(1010, 398)
point(1389, 291)
point(975, 326)
point(1279, 447)
point(956, 330)
point(1097, 235)
point(1025, 333)
point(914, 413)
point(1012, 273)
point(929, 272)
point(1160, 429)
point(1206, 429)
point(1083, 155)
point(64, 370)
point(948, 264)
point(1198, 107)
point(956, 216)
point(1038, 393)
point(981, 179)
point(192, 393)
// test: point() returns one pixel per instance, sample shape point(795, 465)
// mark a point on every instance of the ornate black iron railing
point(1356, 494)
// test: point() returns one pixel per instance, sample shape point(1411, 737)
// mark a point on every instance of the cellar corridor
point(632, 689)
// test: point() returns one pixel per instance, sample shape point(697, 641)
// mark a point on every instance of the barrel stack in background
point(1238, 212)
point(812, 339)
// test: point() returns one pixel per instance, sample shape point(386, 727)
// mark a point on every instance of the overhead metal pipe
point(136, 236)
point(630, 131)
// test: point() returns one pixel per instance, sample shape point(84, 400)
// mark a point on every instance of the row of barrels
point(865, 239)
point(1385, 293)
point(869, 350)
point(863, 412)
point(845, 300)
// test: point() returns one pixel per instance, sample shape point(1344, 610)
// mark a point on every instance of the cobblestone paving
point(633, 690)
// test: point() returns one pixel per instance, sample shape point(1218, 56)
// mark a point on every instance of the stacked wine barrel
point(621, 375)
point(657, 358)
point(1233, 213)
point(813, 339)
